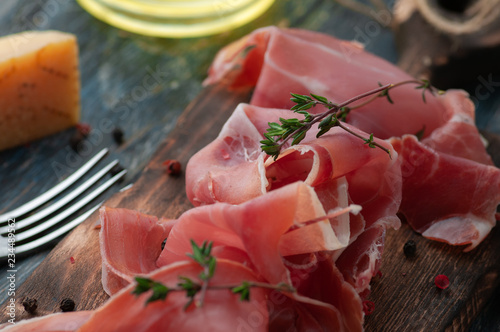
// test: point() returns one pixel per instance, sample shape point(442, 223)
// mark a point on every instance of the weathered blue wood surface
point(143, 84)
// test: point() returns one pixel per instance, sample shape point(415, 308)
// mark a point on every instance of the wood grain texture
point(114, 63)
point(405, 296)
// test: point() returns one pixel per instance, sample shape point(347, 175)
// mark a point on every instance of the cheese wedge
point(39, 85)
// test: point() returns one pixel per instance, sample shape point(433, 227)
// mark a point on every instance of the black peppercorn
point(30, 305)
point(173, 167)
point(410, 249)
point(118, 135)
point(67, 305)
point(75, 141)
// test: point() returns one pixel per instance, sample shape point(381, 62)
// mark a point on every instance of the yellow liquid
point(176, 18)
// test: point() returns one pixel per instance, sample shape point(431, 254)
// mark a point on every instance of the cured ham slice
point(58, 322)
point(361, 260)
point(460, 213)
point(339, 70)
point(265, 229)
point(317, 277)
point(255, 235)
point(221, 310)
point(373, 178)
point(223, 224)
point(130, 244)
point(368, 177)
point(305, 61)
point(459, 136)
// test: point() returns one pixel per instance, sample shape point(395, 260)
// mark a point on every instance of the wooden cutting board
point(405, 296)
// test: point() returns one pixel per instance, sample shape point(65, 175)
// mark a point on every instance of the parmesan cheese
point(39, 86)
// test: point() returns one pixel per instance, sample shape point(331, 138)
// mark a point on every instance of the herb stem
point(277, 135)
point(283, 287)
point(359, 136)
point(204, 287)
point(366, 94)
point(333, 108)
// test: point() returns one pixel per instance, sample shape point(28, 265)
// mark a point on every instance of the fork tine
point(66, 213)
point(53, 235)
point(29, 206)
point(63, 201)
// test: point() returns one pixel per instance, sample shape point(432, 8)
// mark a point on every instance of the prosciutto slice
point(340, 168)
point(221, 310)
point(263, 229)
point(130, 243)
point(463, 212)
point(269, 244)
point(373, 178)
point(270, 235)
point(308, 62)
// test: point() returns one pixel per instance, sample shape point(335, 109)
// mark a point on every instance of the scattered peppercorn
point(410, 249)
point(67, 305)
point(30, 305)
point(163, 244)
point(75, 141)
point(173, 167)
point(368, 307)
point(72, 260)
point(118, 135)
point(84, 129)
point(441, 281)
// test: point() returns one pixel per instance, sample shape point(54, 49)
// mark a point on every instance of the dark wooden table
point(142, 84)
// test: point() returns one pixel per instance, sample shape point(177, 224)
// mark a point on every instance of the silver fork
point(10, 227)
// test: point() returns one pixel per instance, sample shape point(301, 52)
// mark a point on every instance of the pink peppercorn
point(368, 307)
point(442, 281)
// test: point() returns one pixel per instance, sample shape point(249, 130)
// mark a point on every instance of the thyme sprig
point(202, 255)
point(278, 134)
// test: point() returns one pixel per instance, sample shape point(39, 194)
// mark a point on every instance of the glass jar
point(176, 18)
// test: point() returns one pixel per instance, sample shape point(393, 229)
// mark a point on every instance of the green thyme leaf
point(247, 50)
point(144, 285)
point(385, 93)
point(322, 132)
point(369, 141)
point(424, 86)
point(298, 137)
point(420, 133)
point(326, 121)
point(320, 98)
point(303, 98)
point(243, 290)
